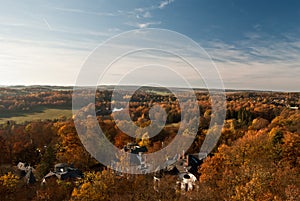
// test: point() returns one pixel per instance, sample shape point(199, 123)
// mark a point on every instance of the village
point(47, 160)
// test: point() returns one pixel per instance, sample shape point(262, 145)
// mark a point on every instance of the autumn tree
point(93, 187)
point(247, 169)
point(70, 148)
point(8, 185)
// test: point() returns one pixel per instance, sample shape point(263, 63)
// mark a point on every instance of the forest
point(257, 156)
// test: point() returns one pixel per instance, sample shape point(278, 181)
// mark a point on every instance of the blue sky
point(254, 44)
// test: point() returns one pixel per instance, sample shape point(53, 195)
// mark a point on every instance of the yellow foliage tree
point(145, 140)
point(8, 184)
point(94, 186)
point(71, 149)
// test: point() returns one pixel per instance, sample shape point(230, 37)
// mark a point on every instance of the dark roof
point(194, 163)
point(71, 175)
point(50, 174)
point(61, 165)
point(67, 173)
point(138, 149)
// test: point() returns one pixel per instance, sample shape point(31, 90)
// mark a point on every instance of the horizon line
point(131, 85)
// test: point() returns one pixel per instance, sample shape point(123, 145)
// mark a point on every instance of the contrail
point(48, 25)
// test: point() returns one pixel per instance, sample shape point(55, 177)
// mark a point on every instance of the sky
point(254, 44)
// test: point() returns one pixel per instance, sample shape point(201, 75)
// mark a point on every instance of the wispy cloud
point(142, 14)
point(252, 35)
point(47, 23)
point(223, 52)
point(14, 24)
point(139, 16)
point(147, 24)
point(256, 48)
point(165, 3)
point(147, 14)
point(74, 10)
point(31, 62)
point(143, 24)
point(258, 62)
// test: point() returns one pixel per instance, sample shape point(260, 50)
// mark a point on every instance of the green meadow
point(40, 113)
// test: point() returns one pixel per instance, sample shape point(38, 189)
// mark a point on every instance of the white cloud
point(147, 24)
point(140, 9)
point(223, 52)
point(165, 3)
point(147, 15)
point(256, 49)
point(142, 25)
point(110, 14)
point(258, 63)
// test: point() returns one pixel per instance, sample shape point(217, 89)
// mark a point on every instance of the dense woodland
point(257, 156)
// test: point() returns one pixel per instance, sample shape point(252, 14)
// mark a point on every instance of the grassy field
point(38, 114)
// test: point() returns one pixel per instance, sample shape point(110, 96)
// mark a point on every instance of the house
point(26, 172)
point(63, 171)
point(137, 153)
point(185, 167)
point(294, 107)
point(136, 158)
point(186, 181)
